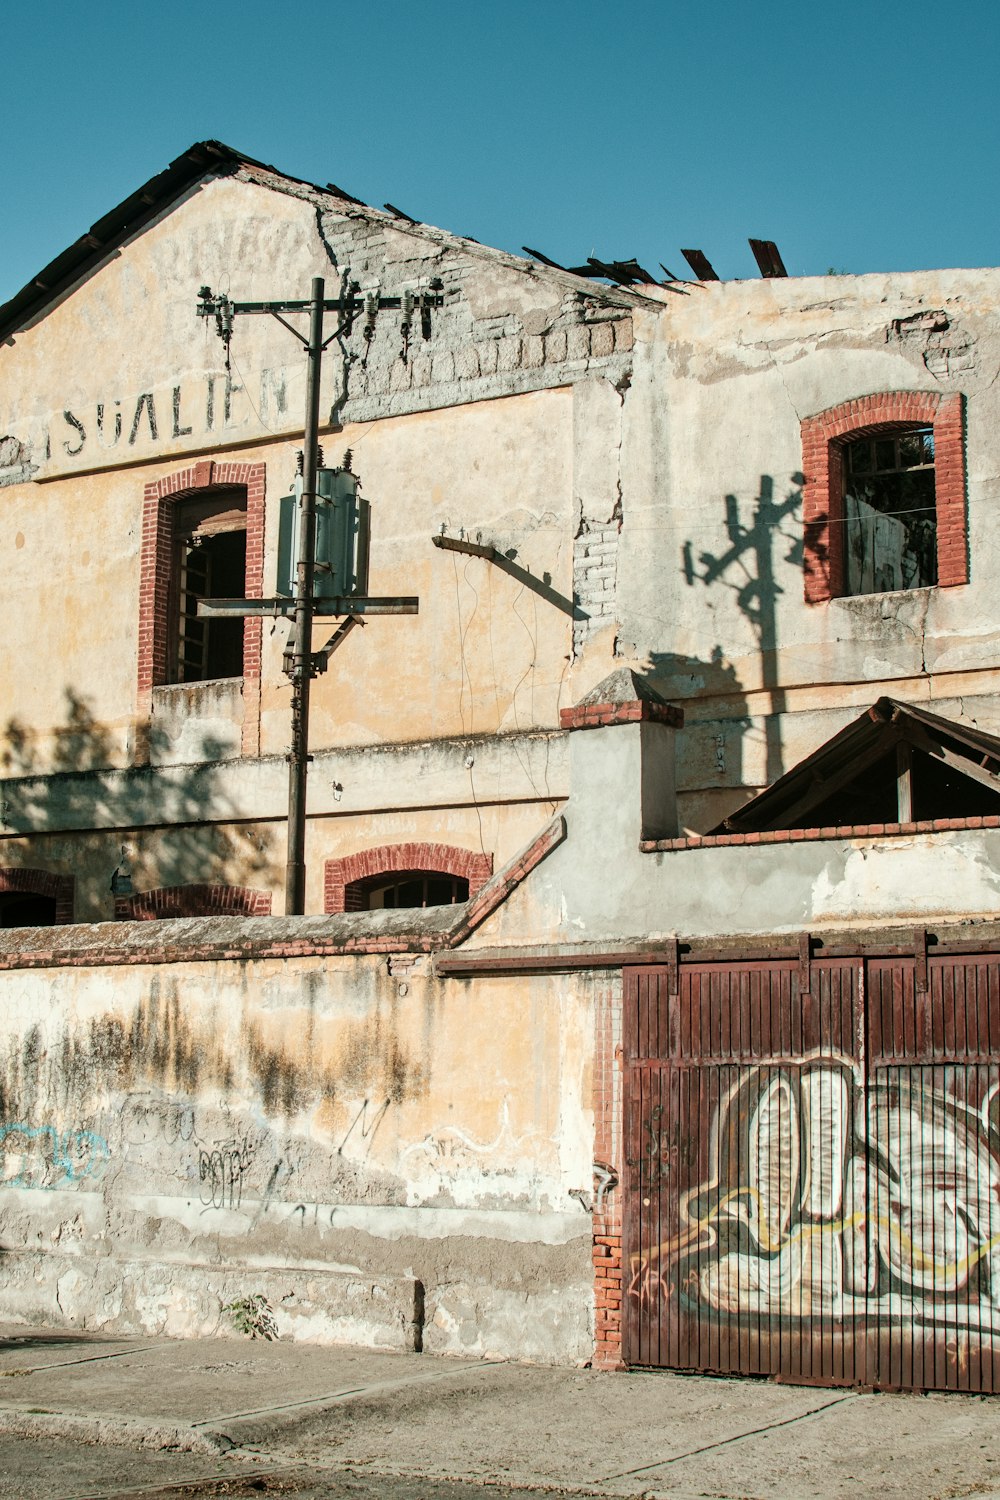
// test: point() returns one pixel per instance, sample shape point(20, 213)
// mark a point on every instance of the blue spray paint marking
point(51, 1158)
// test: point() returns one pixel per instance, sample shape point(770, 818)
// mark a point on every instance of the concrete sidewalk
point(210, 1409)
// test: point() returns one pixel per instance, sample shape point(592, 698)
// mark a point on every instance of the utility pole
point(302, 663)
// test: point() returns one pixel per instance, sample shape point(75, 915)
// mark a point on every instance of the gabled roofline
point(203, 159)
point(215, 159)
point(113, 229)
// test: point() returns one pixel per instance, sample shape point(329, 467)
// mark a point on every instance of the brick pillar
point(608, 1172)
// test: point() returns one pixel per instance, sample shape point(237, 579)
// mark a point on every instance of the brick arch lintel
point(826, 432)
point(31, 882)
point(193, 901)
point(388, 859)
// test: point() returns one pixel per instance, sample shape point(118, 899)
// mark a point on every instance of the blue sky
point(859, 136)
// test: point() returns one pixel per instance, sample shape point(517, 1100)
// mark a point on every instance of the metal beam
point(391, 604)
point(768, 258)
point(507, 565)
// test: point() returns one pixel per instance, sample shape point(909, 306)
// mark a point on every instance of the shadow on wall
point(74, 816)
point(745, 568)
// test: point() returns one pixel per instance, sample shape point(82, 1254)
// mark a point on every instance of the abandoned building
point(645, 1007)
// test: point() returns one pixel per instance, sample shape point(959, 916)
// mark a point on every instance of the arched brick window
point(884, 439)
point(177, 531)
point(358, 881)
point(35, 898)
point(193, 901)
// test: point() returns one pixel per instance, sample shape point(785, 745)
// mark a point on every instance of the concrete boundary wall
point(386, 1157)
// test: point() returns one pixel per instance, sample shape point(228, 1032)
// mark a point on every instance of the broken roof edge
point(213, 158)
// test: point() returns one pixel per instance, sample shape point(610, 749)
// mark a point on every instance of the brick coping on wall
point(210, 939)
point(806, 835)
point(638, 711)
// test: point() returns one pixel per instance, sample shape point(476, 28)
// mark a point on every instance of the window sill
point(215, 685)
point(925, 592)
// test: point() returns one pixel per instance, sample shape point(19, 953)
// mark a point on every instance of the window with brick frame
point(884, 502)
point(193, 901)
point(394, 875)
point(35, 898)
point(202, 532)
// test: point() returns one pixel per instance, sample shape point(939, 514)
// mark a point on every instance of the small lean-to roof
point(849, 756)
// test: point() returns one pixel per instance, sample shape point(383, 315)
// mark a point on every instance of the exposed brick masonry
point(823, 438)
point(156, 565)
point(595, 568)
point(607, 1221)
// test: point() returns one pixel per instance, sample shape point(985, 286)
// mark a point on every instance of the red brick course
point(823, 438)
point(798, 835)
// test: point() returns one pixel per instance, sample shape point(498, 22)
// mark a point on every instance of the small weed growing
point(253, 1316)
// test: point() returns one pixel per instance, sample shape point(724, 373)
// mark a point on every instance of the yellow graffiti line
point(709, 1222)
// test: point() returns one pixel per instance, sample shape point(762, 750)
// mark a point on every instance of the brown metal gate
point(813, 1170)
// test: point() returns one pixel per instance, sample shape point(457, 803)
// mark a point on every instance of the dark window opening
point(937, 790)
point(23, 909)
point(410, 888)
point(890, 516)
point(210, 561)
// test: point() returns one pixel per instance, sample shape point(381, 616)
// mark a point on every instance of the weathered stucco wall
point(388, 1158)
point(631, 896)
point(710, 592)
point(502, 427)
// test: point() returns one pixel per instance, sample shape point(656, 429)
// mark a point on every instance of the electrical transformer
point(342, 532)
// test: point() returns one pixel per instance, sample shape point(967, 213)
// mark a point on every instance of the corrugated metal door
point(812, 1180)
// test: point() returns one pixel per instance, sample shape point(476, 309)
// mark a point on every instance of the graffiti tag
point(221, 1173)
point(40, 1156)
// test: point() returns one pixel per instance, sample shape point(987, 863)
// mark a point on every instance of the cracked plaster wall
point(121, 383)
point(710, 557)
point(173, 1139)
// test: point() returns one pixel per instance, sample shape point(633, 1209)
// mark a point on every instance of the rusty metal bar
point(805, 963)
point(920, 960)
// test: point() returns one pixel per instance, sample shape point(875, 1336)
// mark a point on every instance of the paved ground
point(82, 1416)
